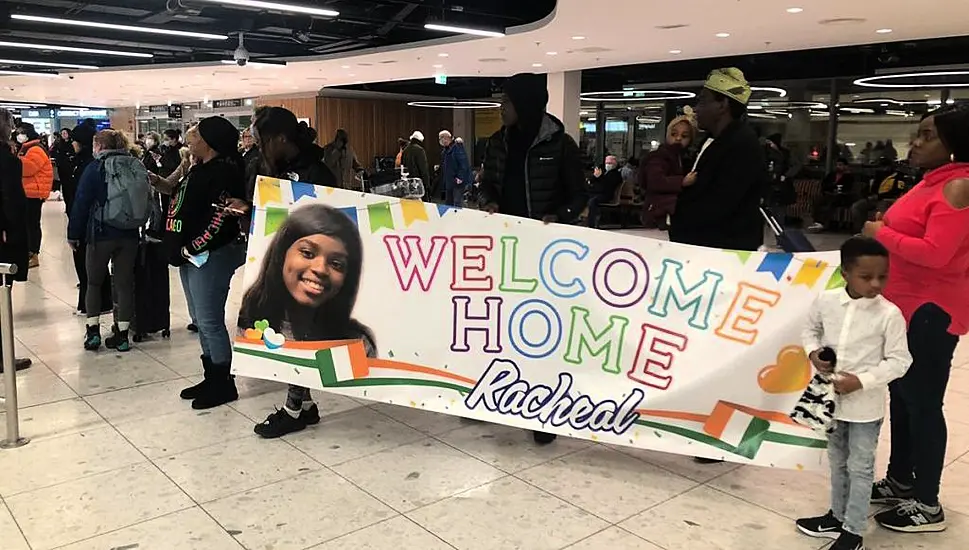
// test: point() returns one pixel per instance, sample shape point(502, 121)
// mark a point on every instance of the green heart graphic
point(261, 325)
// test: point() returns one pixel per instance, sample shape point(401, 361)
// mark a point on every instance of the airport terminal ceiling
point(361, 24)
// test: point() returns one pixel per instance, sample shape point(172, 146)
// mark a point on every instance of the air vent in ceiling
point(842, 21)
point(492, 60)
point(388, 61)
point(592, 49)
point(671, 27)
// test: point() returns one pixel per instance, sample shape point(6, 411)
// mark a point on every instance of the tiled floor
point(117, 461)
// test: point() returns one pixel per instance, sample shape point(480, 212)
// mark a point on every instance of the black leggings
point(34, 209)
point(919, 431)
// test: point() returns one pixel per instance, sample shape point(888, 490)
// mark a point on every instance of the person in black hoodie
point(202, 237)
point(13, 208)
point(287, 151)
point(721, 197)
point(532, 168)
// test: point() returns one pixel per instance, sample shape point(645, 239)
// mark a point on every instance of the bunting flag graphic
point(776, 264)
point(380, 216)
point(351, 212)
point(301, 190)
point(744, 255)
point(413, 211)
point(836, 280)
point(443, 209)
point(809, 273)
point(274, 219)
point(269, 191)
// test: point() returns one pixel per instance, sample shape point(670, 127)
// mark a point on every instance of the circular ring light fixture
point(455, 104)
point(781, 92)
point(774, 104)
point(633, 96)
point(884, 81)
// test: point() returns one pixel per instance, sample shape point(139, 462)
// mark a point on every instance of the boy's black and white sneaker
point(824, 527)
point(310, 416)
point(912, 516)
point(278, 424)
point(848, 541)
point(890, 492)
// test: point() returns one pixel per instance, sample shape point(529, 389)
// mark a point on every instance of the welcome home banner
point(583, 333)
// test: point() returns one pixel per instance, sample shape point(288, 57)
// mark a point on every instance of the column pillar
point(564, 101)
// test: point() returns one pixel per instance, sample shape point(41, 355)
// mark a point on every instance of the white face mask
point(21, 138)
point(610, 167)
point(168, 143)
point(149, 143)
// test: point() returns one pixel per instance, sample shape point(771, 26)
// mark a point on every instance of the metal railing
point(13, 439)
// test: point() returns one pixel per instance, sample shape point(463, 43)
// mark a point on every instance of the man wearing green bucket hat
point(721, 197)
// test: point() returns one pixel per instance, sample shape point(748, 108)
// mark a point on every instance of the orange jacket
point(38, 171)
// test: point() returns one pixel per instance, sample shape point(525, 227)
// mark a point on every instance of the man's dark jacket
point(554, 179)
point(722, 209)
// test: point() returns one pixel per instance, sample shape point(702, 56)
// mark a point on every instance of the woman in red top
point(927, 234)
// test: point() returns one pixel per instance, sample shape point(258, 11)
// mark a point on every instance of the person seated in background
point(878, 199)
point(661, 179)
point(603, 188)
point(837, 191)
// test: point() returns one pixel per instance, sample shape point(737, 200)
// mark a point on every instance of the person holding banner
point(309, 281)
point(720, 201)
point(927, 235)
point(532, 167)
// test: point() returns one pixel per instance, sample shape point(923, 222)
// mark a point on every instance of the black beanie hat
point(220, 135)
point(528, 92)
point(84, 135)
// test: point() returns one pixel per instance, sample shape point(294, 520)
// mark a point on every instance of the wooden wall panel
point(373, 124)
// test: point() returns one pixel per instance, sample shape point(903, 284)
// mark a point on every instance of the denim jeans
point(919, 432)
point(851, 452)
point(207, 290)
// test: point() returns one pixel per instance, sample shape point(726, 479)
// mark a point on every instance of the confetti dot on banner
point(252, 258)
point(329, 190)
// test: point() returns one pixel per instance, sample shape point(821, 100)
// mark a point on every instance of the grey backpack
point(128, 204)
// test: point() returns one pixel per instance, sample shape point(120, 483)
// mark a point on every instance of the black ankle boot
point(196, 390)
point(219, 389)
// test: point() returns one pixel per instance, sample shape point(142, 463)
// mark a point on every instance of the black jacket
point(193, 221)
point(722, 209)
point(414, 159)
point(554, 180)
point(13, 205)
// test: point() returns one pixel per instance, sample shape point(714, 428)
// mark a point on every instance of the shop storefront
point(69, 118)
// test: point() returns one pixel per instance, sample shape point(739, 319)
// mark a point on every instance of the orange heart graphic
point(252, 334)
point(792, 373)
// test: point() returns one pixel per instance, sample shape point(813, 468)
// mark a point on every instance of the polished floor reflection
point(119, 461)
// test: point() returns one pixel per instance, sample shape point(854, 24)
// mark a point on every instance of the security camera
point(241, 55)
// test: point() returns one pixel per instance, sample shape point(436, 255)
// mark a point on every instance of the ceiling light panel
point(46, 64)
point(275, 6)
point(51, 47)
point(463, 30)
point(111, 26)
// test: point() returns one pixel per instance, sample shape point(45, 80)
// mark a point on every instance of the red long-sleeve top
point(928, 242)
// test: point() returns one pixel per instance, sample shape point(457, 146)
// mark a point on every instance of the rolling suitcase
point(152, 292)
point(790, 240)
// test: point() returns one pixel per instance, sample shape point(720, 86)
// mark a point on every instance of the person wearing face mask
point(603, 188)
point(38, 180)
point(170, 147)
point(153, 155)
point(662, 177)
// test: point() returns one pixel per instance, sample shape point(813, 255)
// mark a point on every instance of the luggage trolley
point(403, 188)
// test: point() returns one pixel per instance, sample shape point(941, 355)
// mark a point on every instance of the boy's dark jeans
point(919, 431)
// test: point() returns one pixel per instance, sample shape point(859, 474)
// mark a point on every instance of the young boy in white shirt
point(868, 336)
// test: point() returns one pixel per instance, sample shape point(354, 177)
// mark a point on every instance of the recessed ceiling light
point(723, 35)
point(676, 52)
point(536, 65)
point(344, 66)
point(444, 55)
point(108, 26)
point(795, 10)
point(351, 74)
point(884, 31)
point(438, 66)
point(551, 53)
point(578, 38)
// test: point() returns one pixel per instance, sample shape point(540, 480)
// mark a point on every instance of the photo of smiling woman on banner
point(305, 292)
